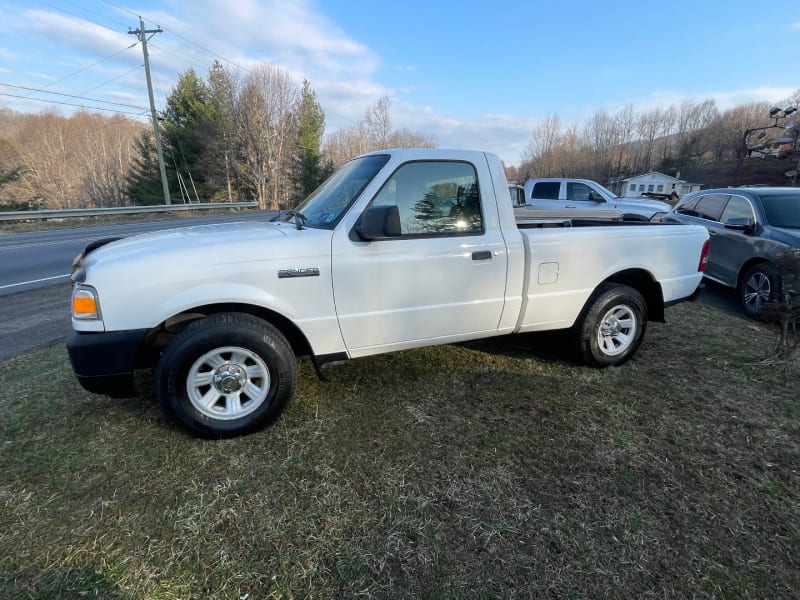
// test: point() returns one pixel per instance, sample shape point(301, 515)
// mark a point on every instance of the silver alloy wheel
point(617, 330)
point(228, 383)
point(757, 292)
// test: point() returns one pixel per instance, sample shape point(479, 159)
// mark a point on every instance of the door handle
point(481, 255)
point(569, 206)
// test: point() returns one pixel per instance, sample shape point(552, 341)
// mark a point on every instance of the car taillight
point(704, 256)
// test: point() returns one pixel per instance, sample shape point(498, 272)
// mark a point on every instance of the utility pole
point(141, 32)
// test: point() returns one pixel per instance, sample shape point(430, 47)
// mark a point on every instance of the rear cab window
point(546, 190)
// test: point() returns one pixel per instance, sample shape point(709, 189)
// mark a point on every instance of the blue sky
point(472, 74)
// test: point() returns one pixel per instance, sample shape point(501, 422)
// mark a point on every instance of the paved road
point(34, 319)
point(40, 259)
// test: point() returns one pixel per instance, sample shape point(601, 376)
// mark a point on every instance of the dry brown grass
point(497, 469)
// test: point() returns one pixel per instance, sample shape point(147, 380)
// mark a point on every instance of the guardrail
point(26, 215)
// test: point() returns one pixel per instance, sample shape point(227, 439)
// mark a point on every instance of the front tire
point(760, 285)
point(611, 326)
point(226, 375)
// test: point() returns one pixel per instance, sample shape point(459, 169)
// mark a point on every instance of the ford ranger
point(398, 249)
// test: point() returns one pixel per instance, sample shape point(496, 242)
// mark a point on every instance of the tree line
point(225, 137)
point(259, 136)
point(671, 139)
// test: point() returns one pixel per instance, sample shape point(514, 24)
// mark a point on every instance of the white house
point(657, 184)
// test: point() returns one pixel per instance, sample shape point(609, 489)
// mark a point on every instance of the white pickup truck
point(583, 194)
point(398, 249)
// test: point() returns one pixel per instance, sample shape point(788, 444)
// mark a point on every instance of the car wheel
point(761, 284)
point(226, 375)
point(611, 326)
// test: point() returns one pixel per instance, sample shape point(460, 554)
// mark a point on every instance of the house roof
point(662, 175)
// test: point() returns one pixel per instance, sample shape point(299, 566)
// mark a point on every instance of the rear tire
point(761, 284)
point(226, 375)
point(611, 325)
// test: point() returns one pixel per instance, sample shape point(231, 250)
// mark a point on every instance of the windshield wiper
point(299, 218)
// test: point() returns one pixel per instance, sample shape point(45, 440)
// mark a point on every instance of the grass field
point(497, 469)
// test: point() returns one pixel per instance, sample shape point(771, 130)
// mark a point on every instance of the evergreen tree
point(143, 180)
point(188, 124)
point(311, 125)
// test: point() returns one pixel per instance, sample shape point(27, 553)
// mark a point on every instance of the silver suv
point(749, 228)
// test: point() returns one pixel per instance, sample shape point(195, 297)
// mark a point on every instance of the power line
point(113, 79)
point(95, 13)
point(22, 87)
point(81, 70)
point(130, 12)
point(72, 14)
point(187, 40)
point(121, 112)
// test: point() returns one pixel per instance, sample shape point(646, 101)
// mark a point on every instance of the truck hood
point(205, 246)
point(642, 205)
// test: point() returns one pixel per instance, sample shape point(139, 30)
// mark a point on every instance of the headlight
point(85, 305)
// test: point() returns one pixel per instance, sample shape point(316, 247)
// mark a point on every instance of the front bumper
point(103, 362)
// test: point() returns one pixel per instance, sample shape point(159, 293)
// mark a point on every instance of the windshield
point(328, 203)
point(607, 191)
point(783, 210)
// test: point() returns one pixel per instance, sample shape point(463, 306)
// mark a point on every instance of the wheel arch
point(644, 283)
point(749, 264)
point(159, 336)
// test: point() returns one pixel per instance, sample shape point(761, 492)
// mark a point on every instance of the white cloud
point(74, 33)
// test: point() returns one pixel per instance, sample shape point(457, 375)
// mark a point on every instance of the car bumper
point(693, 298)
point(104, 362)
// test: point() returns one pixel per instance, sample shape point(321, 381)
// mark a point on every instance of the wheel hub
point(611, 326)
point(229, 378)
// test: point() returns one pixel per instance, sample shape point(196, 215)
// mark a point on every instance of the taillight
point(704, 256)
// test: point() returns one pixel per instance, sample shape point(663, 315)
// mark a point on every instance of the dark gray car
point(749, 228)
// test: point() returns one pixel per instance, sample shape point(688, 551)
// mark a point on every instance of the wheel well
point(161, 335)
point(648, 287)
point(746, 267)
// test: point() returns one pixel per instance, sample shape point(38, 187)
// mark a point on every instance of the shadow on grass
point(548, 346)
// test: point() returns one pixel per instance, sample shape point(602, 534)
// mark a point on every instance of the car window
point(737, 208)
point(579, 191)
point(434, 198)
point(688, 208)
point(783, 210)
point(545, 190)
point(711, 206)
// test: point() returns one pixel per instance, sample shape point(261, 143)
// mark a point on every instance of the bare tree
point(374, 132)
point(267, 121)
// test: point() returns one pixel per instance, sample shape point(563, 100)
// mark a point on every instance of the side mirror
point(379, 223)
point(741, 224)
point(594, 197)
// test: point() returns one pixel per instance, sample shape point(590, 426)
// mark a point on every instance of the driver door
point(442, 279)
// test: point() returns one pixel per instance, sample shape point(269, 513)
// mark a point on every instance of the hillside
point(753, 171)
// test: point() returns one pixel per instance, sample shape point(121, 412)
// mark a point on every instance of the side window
point(434, 198)
point(711, 206)
point(689, 208)
point(578, 191)
point(738, 208)
point(546, 190)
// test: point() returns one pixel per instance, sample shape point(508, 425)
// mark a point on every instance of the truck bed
point(531, 217)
